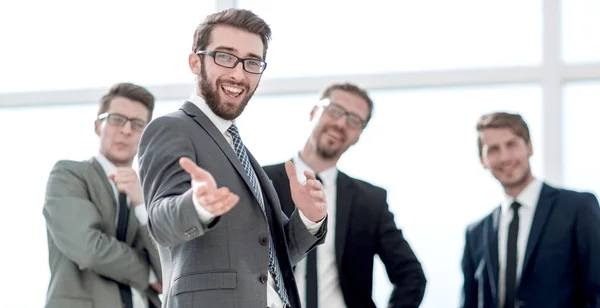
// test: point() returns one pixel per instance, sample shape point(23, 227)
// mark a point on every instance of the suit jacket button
point(263, 278)
point(263, 241)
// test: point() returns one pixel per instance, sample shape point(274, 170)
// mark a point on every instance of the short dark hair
point(130, 91)
point(237, 18)
point(350, 88)
point(512, 121)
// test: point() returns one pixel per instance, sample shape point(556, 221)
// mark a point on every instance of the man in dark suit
point(229, 246)
point(101, 254)
point(541, 246)
point(340, 272)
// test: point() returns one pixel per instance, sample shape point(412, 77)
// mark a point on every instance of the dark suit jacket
point(365, 227)
point(562, 259)
point(86, 259)
point(223, 264)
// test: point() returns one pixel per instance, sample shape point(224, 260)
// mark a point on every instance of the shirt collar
point(528, 198)
point(108, 167)
point(221, 124)
point(328, 176)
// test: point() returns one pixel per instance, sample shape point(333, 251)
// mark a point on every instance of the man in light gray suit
point(101, 254)
point(223, 239)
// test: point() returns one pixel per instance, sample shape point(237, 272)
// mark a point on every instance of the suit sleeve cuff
point(205, 217)
point(141, 214)
point(312, 227)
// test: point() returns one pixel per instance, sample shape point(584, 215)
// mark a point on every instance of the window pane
point(418, 142)
point(315, 37)
point(43, 136)
point(581, 165)
point(67, 44)
point(580, 40)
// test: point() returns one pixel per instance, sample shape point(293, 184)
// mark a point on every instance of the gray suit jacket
point(85, 256)
point(223, 264)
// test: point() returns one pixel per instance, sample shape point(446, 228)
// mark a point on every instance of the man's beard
point(214, 103)
point(519, 181)
point(327, 152)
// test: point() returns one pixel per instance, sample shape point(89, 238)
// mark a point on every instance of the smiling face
point(506, 155)
point(227, 91)
point(331, 137)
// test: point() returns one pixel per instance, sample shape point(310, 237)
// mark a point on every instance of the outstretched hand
point(309, 196)
point(216, 201)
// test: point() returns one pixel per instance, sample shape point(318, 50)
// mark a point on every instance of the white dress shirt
point(140, 300)
point(329, 293)
point(273, 299)
point(528, 198)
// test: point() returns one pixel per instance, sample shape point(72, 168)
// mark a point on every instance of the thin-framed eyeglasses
point(119, 120)
point(336, 111)
point(224, 59)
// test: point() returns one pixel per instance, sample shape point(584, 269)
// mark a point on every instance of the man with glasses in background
point(213, 212)
point(101, 254)
point(340, 272)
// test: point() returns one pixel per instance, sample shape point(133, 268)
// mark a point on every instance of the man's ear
point(97, 124)
point(313, 112)
point(195, 63)
point(482, 162)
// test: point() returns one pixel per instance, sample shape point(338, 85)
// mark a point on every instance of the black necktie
point(312, 284)
point(511, 258)
point(123, 219)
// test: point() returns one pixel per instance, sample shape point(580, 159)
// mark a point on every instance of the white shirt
point(140, 300)
point(329, 293)
point(528, 199)
point(273, 299)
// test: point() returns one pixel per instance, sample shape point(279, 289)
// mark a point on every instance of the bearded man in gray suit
point(223, 238)
point(101, 254)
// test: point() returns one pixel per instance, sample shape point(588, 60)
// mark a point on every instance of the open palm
point(309, 197)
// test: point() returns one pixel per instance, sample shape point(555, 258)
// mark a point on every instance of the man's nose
point(238, 72)
point(126, 128)
point(504, 155)
point(342, 121)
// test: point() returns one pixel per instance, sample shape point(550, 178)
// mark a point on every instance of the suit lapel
point(283, 192)
point(204, 122)
point(343, 208)
point(107, 191)
point(542, 212)
point(269, 193)
point(104, 180)
point(132, 223)
point(491, 249)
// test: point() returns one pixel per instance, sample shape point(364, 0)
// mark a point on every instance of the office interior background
point(432, 67)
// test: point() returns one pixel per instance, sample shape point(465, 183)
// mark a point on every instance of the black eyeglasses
point(119, 120)
point(224, 59)
point(336, 111)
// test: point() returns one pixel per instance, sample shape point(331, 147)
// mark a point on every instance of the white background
point(432, 68)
